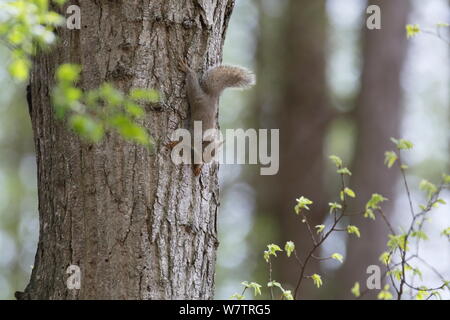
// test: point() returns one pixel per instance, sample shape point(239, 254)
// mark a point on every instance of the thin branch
point(405, 182)
point(270, 279)
point(298, 259)
point(391, 229)
point(437, 34)
point(311, 232)
point(324, 237)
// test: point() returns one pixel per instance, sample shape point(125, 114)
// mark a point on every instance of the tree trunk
point(138, 226)
point(378, 118)
point(302, 115)
point(305, 115)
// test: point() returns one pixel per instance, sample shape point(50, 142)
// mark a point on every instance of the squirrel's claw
point(197, 168)
point(172, 144)
point(183, 66)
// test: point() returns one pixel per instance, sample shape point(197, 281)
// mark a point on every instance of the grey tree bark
point(138, 226)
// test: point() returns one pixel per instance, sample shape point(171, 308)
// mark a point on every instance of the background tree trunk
point(138, 226)
point(378, 118)
point(299, 99)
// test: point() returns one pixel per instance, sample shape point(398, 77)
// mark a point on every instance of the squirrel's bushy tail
point(218, 78)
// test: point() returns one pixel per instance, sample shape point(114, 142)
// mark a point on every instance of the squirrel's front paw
point(197, 168)
point(171, 144)
point(183, 66)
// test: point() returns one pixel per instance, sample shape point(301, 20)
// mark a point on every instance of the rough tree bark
point(378, 118)
point(138, 226)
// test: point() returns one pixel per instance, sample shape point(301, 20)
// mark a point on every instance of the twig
point(317, 244)
point(270, 279)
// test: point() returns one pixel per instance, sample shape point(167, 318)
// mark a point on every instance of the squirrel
point(203, 93)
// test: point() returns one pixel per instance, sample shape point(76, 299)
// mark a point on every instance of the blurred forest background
point(332, 87)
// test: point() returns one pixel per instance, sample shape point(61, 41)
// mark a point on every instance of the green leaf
point(237, 296)
point(369, 214)
point(287, 294)
point(289, 248)
point(275, 284)
point(272, 251)
point(375, 200)
point(53, 19)
point(302, 203)
point(385, 294)
point(266, 255)
point(428, 187)
point(385, 258)
point(373, 204)
point(134, 109)
point(446, 284)
point(356, 290)
point(336, 160)
point(27, 25)
point(389, 158)
point(353, 230)
point(68, 72)
point(245, 284)
point(419, 234)
point(110, 95)
point(334, 206)
point(421, 295)
point(129, 130)
point(256, 287)
point(273, 248)
point(338, 257)
point(446, 178)
point(446, 232)
point(16, 37)
point(87, 127)
point(344, 171)
point(349, 192)
point(438, 202)
point(397, 273)
point(19, 69)
point(147, 95)
point(320, 228)
point(442, 25)
point(412, 30)
point(402, 144)
point(59, 2)
point(397, 241)
point(71, 94)
point(317, 280)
